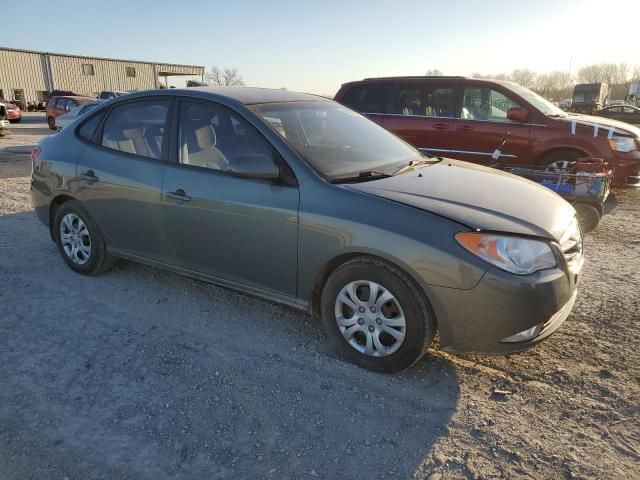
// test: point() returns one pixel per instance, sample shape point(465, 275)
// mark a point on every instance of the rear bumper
point(501, 306)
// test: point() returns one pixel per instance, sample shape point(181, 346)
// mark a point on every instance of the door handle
point(179, 196)
point(90, 177)
point(465, 128)
point(441, 126)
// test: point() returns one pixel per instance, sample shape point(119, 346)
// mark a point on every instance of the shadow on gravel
point(140, 373)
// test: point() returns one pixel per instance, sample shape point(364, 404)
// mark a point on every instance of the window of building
point(87, 69)
point(137, 128)
point(481, 103)
point(131, 72)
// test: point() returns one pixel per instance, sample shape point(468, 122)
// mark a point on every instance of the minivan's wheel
point(375, 315)
point(560, 161)
point(588, 216)
point(79, 240)
point(52, 123)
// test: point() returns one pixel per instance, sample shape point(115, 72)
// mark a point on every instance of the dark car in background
point(468, 118)
point(62, 105)
point(300, 200)
point(622, 113)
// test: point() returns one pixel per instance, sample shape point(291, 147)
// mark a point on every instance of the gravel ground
point(140, 373)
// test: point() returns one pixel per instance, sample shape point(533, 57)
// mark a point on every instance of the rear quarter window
point(367, 98)
point(88, 129)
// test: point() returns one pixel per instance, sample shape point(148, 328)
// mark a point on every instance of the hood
point(604, 123)
point(478, 197)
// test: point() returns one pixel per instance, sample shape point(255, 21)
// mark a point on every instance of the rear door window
point(425, 100)
point(368, 97)
point(138, 128)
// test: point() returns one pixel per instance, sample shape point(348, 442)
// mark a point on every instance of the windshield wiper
point(415, 163)
point(362, 177)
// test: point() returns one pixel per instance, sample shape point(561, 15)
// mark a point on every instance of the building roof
point(195, 67)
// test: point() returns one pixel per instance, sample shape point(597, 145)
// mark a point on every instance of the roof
point(414, 77)
point(102, 58)
point(253, 95)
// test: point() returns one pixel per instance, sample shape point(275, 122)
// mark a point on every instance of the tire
point(364, 327)
point(16, 120)
point(52, 123)
point(88, 261)
point(588, 216)
point(558, 161)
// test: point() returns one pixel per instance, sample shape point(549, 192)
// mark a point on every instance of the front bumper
point(14, 114)
point(500, 306)
point(626, 169)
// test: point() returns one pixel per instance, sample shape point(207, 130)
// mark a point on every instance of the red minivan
point(467, 119)
point(62, 105)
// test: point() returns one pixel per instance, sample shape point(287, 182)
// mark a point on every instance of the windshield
point(336, 141)
point(542, 104)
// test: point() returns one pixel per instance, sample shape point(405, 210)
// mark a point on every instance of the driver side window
point(482, 103)
point(214, 137)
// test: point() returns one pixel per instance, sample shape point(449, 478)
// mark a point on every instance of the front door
point(242, 230)
point(482, 124)
point(423, 115)
point(120, 175)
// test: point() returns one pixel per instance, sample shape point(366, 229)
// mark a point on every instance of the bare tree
point(229, 77)
point(434, 72)
point(524, 77)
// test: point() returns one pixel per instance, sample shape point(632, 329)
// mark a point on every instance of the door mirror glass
point(517, 114)
point(254, 165)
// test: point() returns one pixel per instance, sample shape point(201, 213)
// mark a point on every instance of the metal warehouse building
point(27, 75)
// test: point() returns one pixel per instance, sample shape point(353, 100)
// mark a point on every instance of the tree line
point(558, 84)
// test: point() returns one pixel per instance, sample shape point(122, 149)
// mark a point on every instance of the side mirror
point(518, 114)
point(254, 165)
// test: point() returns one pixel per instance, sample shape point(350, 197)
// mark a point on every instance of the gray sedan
point(64, 120)
point(299, 200)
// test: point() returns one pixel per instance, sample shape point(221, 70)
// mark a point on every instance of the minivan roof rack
point(417, 77)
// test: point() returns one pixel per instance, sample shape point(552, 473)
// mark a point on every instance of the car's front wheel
point(376, 316)
point(79, 240)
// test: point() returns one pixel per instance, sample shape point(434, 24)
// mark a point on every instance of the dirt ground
point(140, 373)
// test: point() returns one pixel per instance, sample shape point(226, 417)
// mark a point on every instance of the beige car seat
point(201, 151)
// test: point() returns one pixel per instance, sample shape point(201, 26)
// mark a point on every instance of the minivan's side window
point(367, 97)
point(137, 127)
point(88, 128)
point(213, 136)
point(425, 100)
point(482, 103)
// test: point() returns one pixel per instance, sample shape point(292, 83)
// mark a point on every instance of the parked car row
point(466, 118)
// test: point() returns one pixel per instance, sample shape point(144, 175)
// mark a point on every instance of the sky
point(316, 46)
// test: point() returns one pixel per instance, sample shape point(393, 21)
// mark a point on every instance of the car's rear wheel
point(376, 316)
point(15, 120)
point(52, 123)
point(588, 216)
point(79, 240)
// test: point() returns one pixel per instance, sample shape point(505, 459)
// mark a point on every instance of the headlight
point(622, 144)
point(513, 254)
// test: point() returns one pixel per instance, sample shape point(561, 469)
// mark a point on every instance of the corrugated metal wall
point(33, 71)
point(22, 71)
point(67, 74)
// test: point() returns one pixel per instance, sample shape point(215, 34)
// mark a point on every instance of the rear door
point(120, 175)
point(369, 98)
point(243, 230)
point(481, 124)
point(422, 114)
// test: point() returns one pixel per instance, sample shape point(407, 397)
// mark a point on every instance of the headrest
point(133, 132)
point(205, 137)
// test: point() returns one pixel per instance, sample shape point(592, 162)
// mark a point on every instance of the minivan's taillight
point(35, 153)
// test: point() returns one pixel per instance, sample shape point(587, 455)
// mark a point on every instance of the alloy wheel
point(559, 166)
point(370, 318)
point(75, 239)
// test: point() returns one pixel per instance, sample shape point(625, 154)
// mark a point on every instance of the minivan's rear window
point(367, 97)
